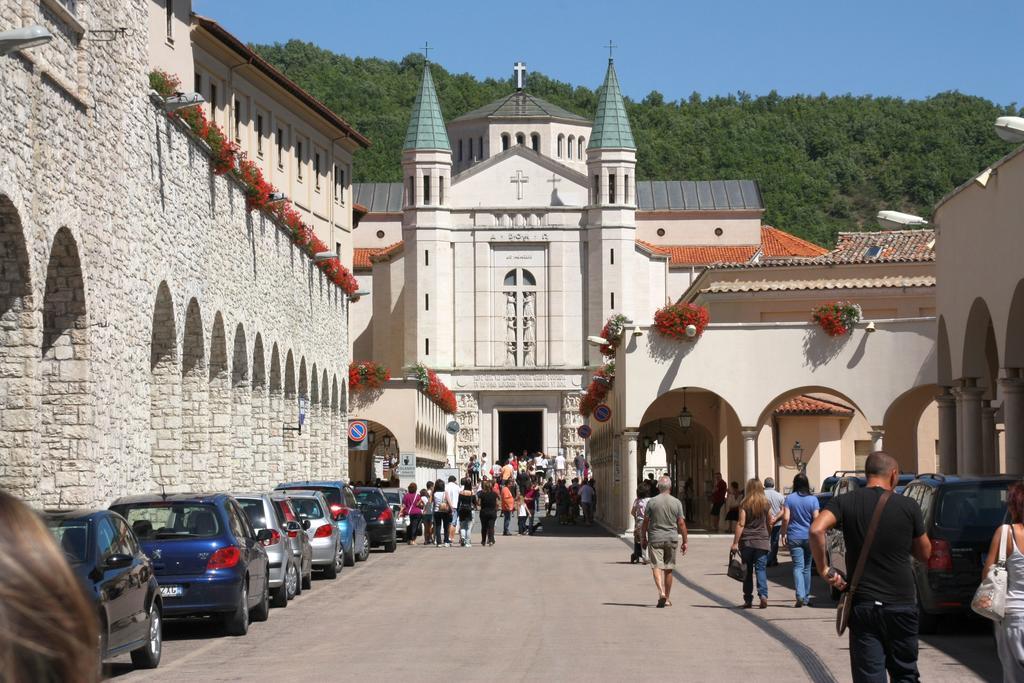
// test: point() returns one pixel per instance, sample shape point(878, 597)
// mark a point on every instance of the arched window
point(481, 147)
point(518, 299)
point(510, 278)
point(470, 156)
point(520, 139)
point(582, 146)
point(528, 279)
point(572, 143)
point(535, 139)
point(505, 141)
point(460, 149)
point(561, 143)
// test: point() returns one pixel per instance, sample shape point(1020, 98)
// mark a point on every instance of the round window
point(718, 232)
point(661, 232)
point(380, 234)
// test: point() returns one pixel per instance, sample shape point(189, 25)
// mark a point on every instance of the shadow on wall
point(662, 348)
point(361, 400)
point(819, 348)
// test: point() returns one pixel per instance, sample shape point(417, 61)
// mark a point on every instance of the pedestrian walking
point(532, 501)
point(521, 513)
point(488, 501)
point(574, 501)
point(664, 528)
point(549, 495)
point(732, 506)
point(523, 480)
point(451, 493)
point(442, 515)
point(467, 503)
point(718, 494)
point(412, 509)
point(587, 497)
point(637, 510)
point(474, 470)
point(752, 540)
point(798, 513)
point(776, 501)
point(1010, 631)
point(559, 467)
point(508, 506)
point(881, 531)
point(427, 494)
point(562, 502)
point(580, 463)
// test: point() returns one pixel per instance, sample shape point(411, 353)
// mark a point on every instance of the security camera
point(691, 330)
point(870, 327)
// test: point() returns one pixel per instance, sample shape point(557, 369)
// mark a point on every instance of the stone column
point(261, 437)
point(1013, 421)
point(989, 455)
point(749, 454)
point(243, 469)
point(968, 397)
point(947, 431)
point(877, 433)
point(629, 479)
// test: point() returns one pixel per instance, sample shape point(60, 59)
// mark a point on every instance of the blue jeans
point(883, 639)
point(442, 522)
point(800, 551)
point(507, 515)
point(773, 556)
point(756, 560)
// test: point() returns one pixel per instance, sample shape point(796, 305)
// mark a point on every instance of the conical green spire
point(611, 125)
point(426, 127)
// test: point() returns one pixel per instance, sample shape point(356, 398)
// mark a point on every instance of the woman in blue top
point(800, 510)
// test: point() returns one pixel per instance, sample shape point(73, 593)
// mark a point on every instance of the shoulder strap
point(1002, 544)
point(868, 540)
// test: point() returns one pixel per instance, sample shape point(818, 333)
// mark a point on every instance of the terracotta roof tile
point(387, 252)
point(361, 258)
point(806, 405)
point(886, 245)
point(776, 243)
point(730, 286)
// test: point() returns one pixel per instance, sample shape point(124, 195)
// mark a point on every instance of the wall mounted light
point(23, 38)
point(182, 100)
point(798, 455)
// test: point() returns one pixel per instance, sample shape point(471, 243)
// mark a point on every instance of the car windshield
point(393, 497)
point(171, 520)
point(254, 511)
point(980, 505)
point(332, 494)
point(370, 497)
point(308, 508)
point(72, 536)
point(285, 510)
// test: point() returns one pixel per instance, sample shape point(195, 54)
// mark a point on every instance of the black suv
point(960, 516)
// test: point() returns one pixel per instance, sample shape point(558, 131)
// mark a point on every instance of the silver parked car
point(394, 498)
point(323, 533)
point(302, 549)
point(284, 579)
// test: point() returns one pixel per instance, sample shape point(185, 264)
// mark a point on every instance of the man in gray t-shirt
point(664, 526)
point(776, 501)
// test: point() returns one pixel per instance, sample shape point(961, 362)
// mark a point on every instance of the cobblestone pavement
point(557, 606)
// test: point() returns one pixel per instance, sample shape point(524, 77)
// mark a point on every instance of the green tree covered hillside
point(824, 163)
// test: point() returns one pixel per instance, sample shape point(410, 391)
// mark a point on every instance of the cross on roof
point(519, 179)
point(520, 71)
point(427, 49)
point(611, 46)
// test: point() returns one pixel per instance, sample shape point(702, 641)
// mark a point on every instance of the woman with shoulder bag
point(442, 515)
point(1010, 631)
point(752, 539)
point(412, 508)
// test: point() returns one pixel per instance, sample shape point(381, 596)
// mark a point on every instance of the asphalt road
point(557, 606)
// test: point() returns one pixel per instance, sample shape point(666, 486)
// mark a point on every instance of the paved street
point(554, 607)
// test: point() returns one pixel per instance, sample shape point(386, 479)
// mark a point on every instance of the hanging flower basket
point(366, 374)
point(837, 318)
point(675, 321)
point(597, 390)
point(226, 157)
point(612, 332)
point(433, 388)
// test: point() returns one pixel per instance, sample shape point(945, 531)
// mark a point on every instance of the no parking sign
point(602, 413)
point(584, 431)
point(357, 431)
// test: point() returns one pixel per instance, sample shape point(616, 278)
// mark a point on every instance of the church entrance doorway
point(519, 430)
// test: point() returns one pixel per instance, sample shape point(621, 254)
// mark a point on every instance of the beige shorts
point(662, 555)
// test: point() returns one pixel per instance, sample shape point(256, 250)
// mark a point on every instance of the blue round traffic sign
point(357, 431)
point(584, 431)
point(602, 413)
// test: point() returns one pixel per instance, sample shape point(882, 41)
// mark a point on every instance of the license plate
point(171, 591)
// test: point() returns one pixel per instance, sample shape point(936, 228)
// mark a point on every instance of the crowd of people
point(515, 488)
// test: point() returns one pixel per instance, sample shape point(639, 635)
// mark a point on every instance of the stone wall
point(152, 331)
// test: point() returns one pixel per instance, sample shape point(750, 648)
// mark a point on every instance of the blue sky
point(910, 49)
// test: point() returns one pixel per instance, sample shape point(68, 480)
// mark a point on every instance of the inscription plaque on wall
point(512, 258)
point(519, 381)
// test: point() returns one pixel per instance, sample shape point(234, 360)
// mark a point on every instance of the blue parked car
point(207, 557)
point(345, 512)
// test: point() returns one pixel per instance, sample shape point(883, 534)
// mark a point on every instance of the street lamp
point(660, 438)
point(23, 38)
point(322, 256)
point(798, 456)
point(685, 417)
point(182, 100)
point(898, 219)
point(594, 340)
point(1010, 128)
point(303, 407)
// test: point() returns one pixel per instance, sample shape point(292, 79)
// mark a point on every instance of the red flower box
point(366, 374)
point(837, 318)
point(673, 319)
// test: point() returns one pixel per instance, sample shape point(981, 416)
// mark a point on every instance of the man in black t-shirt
point(883, 624)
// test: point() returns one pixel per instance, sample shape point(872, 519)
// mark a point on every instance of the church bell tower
point(611, 212)
point(426, 225)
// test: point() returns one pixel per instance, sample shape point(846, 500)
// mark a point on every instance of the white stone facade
point(152, 331)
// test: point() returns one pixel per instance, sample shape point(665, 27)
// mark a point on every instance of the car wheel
point(237, 623)
point(390, 546)
point(365, 554)
point(331, 570)
point(291, 581)
point(262, 611)
point(307, 580)
point(299, 578)
point(102, 645)
point(280, 597)
point(350, 554)
point(148, 656)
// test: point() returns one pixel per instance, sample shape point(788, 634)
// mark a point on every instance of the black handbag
point(737, 567)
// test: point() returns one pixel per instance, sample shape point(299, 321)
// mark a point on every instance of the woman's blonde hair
point(755, 503)
point(48, 628)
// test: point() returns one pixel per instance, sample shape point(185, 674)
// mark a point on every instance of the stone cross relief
point(519, 179)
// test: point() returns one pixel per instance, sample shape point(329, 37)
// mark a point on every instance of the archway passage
point(164, 390)
point(66, 410)
point(518, 431)
point(19, 339)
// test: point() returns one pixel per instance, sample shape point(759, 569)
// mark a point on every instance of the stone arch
point(907, 427)
point(561, 145)
point(305, 458)
point(19, 338)
point(290, 455)
point(1013, 349)
point(581, 142)
point(337, 458)
point(569, 147)
point(241, 466)
point(315, 420)
point(289, 376)
point(260, 412)
point(164, 390)
point(275, 416)
point(506, 141)
point(195, 396)
point(535, 142)
point(66, 411)
point(220, 406)
point(944, 364)
point(981, 356)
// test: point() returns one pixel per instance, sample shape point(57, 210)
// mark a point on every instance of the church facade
point(519, 228)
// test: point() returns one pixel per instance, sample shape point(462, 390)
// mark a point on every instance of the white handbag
point(990, 598)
